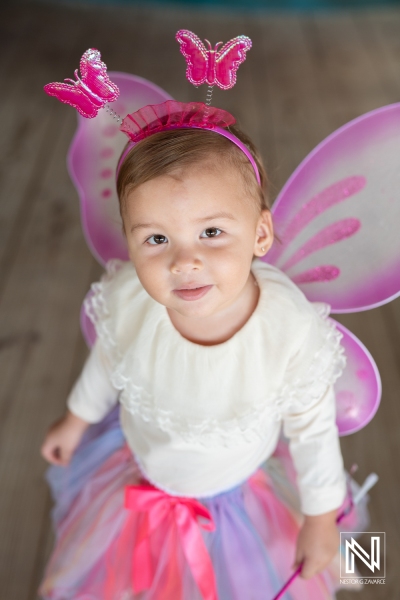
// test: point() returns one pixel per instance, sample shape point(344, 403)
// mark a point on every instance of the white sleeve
point(315, 449)
point(93, 396)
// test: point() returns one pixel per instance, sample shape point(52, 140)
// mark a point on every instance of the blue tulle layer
point(251, 549)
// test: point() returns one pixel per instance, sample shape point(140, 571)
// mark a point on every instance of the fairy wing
point(337, 219)
point(92, 162)
point(338, 216)
point(358, 390)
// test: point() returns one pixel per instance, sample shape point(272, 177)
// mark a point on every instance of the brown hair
point(167, 151)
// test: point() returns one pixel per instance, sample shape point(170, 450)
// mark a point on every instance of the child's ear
point(264, 233)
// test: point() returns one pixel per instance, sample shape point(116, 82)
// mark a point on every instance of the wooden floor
point(306, 76)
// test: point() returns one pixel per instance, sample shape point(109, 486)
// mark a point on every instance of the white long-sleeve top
point(201, 419)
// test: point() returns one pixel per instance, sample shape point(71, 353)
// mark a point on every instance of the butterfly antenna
point(114, 115)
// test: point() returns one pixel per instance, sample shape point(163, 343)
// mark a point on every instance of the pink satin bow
point(186, 513)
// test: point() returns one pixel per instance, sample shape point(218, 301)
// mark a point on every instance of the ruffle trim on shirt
point(96, 308)
point(294, 396)
point(326, 367)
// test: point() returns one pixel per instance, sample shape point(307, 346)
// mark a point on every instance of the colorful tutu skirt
point(119, 538)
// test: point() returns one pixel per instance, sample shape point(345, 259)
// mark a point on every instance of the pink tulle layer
point(173, 115)
point(251, 548)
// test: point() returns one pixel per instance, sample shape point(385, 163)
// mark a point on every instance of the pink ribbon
point(186, 513)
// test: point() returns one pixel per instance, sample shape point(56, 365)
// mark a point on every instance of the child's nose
point(185, 262)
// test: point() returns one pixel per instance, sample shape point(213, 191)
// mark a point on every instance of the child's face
point(193, 230)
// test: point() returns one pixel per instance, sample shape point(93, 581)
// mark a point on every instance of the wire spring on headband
point(113, 114)
point(208, 102)
point(209, 95)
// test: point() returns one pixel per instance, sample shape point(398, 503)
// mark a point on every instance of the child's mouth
point(194, 293)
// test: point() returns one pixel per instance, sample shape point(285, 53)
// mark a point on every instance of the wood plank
point(287, 97)
point(347, 81)
point(305, 76)
point(42, 284)
point(28, 121)
point(37, 294)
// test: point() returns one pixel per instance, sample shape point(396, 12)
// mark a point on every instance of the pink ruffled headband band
point(176, 115)
point(93, 90)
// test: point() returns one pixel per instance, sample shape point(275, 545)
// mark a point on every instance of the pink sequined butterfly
point(90, 92)
point(212, 66)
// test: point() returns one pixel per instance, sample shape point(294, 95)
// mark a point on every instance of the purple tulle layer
point(251, 549)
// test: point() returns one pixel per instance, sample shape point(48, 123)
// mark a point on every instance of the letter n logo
point(372, 559)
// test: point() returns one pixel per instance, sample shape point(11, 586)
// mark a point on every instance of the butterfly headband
point(93, 90)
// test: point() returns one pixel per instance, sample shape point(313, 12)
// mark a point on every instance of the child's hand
point(317, 543)
point(62, 438)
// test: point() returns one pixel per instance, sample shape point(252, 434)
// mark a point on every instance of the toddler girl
point(210, 351)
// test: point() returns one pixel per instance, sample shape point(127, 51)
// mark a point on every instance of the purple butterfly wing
point(74, 96)
point(358, 390)
point(228, 60)
point(196, 56)
point(338, 216)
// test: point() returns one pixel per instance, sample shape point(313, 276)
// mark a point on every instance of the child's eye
point(156, 239)
point(211, 232)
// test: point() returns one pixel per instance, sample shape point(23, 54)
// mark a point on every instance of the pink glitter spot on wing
point(106, 193)
point(332, 234)
point(106, 152)
point(339, 191)
point(110, 130)
point(362, 374)
point(317, 274)
point(346, 404)
point(321, 202)
point(106, 173)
